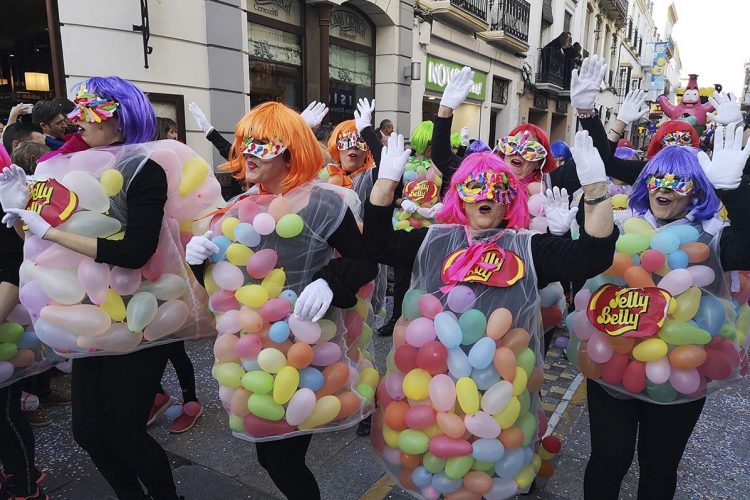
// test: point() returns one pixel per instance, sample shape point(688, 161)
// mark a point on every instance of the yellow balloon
point(390, 436)
point(274, 282)
point(228, 225)
point(326, 409)
point(544, 454)
point(228, 374)
point(252, 295)
point(620, 201)
point(112, 181)
point(117, 236)
point(520, 381)
point(285, 384)
point(687, 304)
point(432, 431)
point(402, 224)
point(635, 225)
point(186, 226)
point(650, 350)
point(362, 308)
point(468, 395)
point(416, 384)
point(369, 376)
point(208, 282)
point(194, 172)
point(509, 415)
point(536, 462)
point(238, 254)
point(525, 477)
point(271, 360)
point(114, 306)
point(672, 306)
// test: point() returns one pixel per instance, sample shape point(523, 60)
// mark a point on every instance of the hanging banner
point(659, 66)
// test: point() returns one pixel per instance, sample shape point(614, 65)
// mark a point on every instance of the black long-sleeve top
point(11, 255)
point(625, 170)
point(370, 136)
point(555, 258)
point(220, 143)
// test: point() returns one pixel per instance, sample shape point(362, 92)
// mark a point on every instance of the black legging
point(16, 443)
point(662, 434)
point(184, 369)
point(112, 397)
point(402, 280)
point(284, 461)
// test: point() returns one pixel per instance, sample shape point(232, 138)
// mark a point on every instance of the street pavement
point(209, 463)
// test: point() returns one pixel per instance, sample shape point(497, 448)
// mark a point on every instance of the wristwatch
point(596, 201)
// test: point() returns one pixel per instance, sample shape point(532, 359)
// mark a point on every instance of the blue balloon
point(481, 353)
point(549, 296)
point(686, 233)
point(458, 363)
point(485, 378)
point(487, 450)
point(448, 330)
point(444, 485)
point(28, 340)
point(421, 477)
point(636, 259)
point(223, 243)
point(665, 241)
point(711, 314)
point(289, 295)
point(173, 412)
point(677, 260)
point(511, 464)
point(310, 378)
point(410, 175)
point(246, 234)
point(279, 332)
point(250, 364)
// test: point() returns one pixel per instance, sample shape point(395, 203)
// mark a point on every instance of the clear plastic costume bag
point(280, 376)
point(83, 308)
point(422, 181)
point(461, 394)
point(21, 353)
point(660, 324)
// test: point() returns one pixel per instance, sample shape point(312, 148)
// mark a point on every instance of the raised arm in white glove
point(634, 107)
point(14, 191)
point(363, 115)
point(724, 168)
point(314, 301)
point(200, 118)
point(458, 88)
point(314, 113)
point(726, 108)
point(393, 158)
point(586, 82)
point(37, 225)
point(200, 248)
point(589, 165)
point(558, 212)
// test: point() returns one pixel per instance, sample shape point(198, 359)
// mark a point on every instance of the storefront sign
point(287, 11)
point(439, 72)
point(348, 24)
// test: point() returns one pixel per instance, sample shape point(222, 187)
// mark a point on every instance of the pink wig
point(517, 213)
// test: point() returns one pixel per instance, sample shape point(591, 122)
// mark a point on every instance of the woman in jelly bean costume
point(294, 352)
point(459, 409)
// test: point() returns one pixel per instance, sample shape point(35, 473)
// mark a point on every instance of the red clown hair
point(540, 136)
point(670, 126)
point(342, 128)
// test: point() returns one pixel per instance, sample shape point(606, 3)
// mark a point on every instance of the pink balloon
point(429, 305)
point(394, 385)
point(658, 371)
point(420, 417)
point(684, 381)
point(676, 281)
point(482, 425)
point(444, 447)
point(652, 260)
point(169, 318)
point(125, 281)
point(223, 301)
point(702, 275)
point(392, 455)
point(33, 297)
point(309, 333)
point(582, 326)
point(248, 346)
point(300, 406)
point(599, 349)
point(116, 339)
point(264, 224)
point(536, 205)
point(442, 392)
point(57, 257)
point(582, 299)
point(538, 224)
point(33, 246)
point(20, 315)
point(95, 278)
point(224, 348)
point(461, 298)
point(229, 322)
point(81, 319)
point(420, 331)
point(326, 354)
point(227, 276)
point(275, 310)
point(262, 262)
point(430, 493)
point(247, 210)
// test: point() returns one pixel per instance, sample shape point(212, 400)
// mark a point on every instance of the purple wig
point(683, 162)
point(626, 153)
point(560, 149)
point(477, 146)
point(136, 117)
point(517, 213)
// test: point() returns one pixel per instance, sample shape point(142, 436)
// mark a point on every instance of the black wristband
point(596, 201)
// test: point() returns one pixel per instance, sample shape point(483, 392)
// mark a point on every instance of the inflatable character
point(689, 106)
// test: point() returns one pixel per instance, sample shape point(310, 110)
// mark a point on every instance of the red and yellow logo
point(628, 312)
point(491, 270)
point(53, 201)
point(420, 191)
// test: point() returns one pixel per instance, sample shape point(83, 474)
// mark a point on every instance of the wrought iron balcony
point(477, 8)
point(616, 10)
point(554, 70)
point(470, 15)
point(509, 23)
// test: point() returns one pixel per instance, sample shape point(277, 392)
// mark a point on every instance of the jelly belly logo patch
point(420, 191)
point(628, 312)
point(492, 269)
point(53, 201)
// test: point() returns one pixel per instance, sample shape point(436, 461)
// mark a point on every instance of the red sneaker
point(190, 413)
point(161, 403)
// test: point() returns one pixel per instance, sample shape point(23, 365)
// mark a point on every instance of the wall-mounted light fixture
point(414, 71)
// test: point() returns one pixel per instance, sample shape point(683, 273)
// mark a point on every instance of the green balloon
point(258, 382)
point(526, 359)
point(483, 466)
point(728, 332)
point(683, 333)
point(410, 305)
point(290, 226)
point(632, 244)
point(8, 351)
point(413, 442)
point(263, 406)
point(365, 391)
point(525, 400)
point(527, 423)
point(572, 349)
point(366, 336)
point(228, 374)
point(433, 464)
point(10, 332)
point(457, 467)
point(473, 324)
point(661, 393)
point(237, 424)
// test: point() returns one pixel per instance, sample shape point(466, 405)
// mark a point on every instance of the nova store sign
point(440, 71)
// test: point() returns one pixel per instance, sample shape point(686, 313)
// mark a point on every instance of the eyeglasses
point(487, 186)
point(351, 140)
point(521, 144)
point(264, 151)
point(680, 138)
point(676, 183)
point(91, 107)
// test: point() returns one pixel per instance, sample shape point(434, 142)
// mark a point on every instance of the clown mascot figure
point(689, 106)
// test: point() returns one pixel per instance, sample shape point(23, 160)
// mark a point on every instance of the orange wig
point(341, 129)
point(275, 121)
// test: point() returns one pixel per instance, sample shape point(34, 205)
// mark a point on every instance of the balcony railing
point(554, 68)
point(512, 18)
point(477, 8)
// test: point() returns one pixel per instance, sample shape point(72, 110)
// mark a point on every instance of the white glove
point(200, 118)
point(409, 206)
point(393, 158)
point(14, 188)
point(724, 168)
point(558, 212)
point(589, 165)
point(458, 88)
point(633, 108)
point(314, 113)
point(37, 225)
point(727, 110)
point(429, 212)
point(314, 301)
point(199, 248)
point(586, 82)
point(363, 115)
point(465, 136)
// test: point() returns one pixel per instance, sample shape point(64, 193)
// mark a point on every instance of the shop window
point(170, 106)
point(500, 90)
point(275, 66)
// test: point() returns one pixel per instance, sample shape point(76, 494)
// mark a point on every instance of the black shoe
point(363, 429)
point(387, 329)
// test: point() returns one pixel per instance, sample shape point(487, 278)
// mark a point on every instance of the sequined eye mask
point(351, 140)
point(671, 181)
point(521, 144)
point(91, 107)
point(264, 151)
point(677, 139)
point(487, 186)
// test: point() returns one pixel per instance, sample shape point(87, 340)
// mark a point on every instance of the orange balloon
point(399, 333)
point(536, 380)
point(411, 461)
point(463, 494)
point(589, 368)
point(238, 403)
point(353, 352)
point(349, 405)
point(478, 482)
point(621, 345)
point(512, 437)
point(697, 252)
point(505, 363)
point(300, 355)
point(498, 323)
point(451, 424)
point(516, 340)
point(547, 469)
point(685, 357)
point(620, 263)
point(404, 478)
point(250, 320)
point(637, 277)
point(395, 415)
point(335, 377)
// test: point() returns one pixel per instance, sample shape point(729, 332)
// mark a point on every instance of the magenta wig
point(681, 161)
point(135, 114)
point(517, 213)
